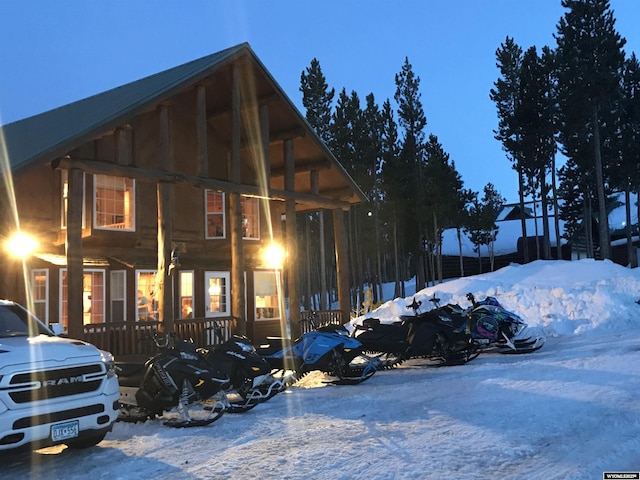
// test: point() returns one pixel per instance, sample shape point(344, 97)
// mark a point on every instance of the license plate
point(64, 431)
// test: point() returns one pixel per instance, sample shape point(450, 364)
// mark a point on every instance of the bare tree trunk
point(523, 218)
point(556, 210)
point(587, 226)
point(535, 227)
point(603, 223)
point(460, 251)
point(397, 291)
point(631, 251)
point(546, 244)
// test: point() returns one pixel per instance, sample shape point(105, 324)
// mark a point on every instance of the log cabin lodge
point(154, 206)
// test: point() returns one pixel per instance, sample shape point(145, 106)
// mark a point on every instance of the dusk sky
point(56, 52)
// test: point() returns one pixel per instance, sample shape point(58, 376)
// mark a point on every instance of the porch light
point(273, 256)
point(21, 245)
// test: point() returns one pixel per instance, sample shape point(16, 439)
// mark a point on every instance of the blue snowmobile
point(329, 350)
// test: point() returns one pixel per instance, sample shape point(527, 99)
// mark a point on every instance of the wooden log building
point(154, 204)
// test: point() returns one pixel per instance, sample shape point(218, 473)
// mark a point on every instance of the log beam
point(305, 200)
point(303, 168)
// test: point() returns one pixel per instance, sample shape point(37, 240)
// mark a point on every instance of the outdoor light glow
point(21, 245)
point(273, 256)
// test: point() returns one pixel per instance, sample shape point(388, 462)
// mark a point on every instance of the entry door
point(217, 301)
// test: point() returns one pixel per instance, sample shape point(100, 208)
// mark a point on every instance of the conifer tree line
point(581, 99)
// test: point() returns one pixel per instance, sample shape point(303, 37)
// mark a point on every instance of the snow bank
point(561, 297)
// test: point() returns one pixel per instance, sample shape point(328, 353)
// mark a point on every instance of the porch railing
point(310, 319)
point(135, 338)
point(132, 338)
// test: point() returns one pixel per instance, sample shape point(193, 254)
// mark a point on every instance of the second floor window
point(215, 216)
point(114, 206)
point(215, 224)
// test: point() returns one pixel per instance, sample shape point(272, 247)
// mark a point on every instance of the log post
point(293, 274)
point(75, 311)
point(238, 307)
point(163, 192)
point(342, 263)
point(315, 190)
point(264, 133)
point(201, 131)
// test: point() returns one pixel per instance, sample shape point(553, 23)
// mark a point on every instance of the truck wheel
point(86, 442)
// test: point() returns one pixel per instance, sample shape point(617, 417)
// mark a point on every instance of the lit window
point(93, 293)
point(113, 203)
point(217, 293)
point(39, 285)
point(146, 288)
point(266, 288)
point(186, 294)
point(250, 218)
point(215, 224)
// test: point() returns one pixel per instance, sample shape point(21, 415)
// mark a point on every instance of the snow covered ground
point(568, 411)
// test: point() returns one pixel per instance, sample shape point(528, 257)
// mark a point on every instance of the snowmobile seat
point(371, 322)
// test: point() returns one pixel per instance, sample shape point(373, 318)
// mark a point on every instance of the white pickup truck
point(53, 390)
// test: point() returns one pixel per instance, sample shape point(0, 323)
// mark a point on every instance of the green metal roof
point(42, 138)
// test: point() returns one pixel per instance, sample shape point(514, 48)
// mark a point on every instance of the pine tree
point(590, 60)
point(412, 120)
point(535, 116)
point(506, 97)
point(444, 197)
point(629, 167)
point(317, 99)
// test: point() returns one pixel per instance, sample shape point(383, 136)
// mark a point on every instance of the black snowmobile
point(249, 374)
point(176, 377)
point(431, 335)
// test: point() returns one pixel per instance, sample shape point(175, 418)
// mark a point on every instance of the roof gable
point(42, 137)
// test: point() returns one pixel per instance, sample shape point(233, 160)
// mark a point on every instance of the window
point(267, 298)
point(186, 294)
point(215, 224)
point(147, 308)
point(113, 203)
point(250, 218)
point(93, 293)
point(215, 216)
point(217, 294)
point(65, 200)
point(118, 295)
point(40, 289)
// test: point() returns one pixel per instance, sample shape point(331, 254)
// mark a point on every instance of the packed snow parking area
point(568, 411)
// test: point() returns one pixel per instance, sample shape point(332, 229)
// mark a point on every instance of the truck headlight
point(109, 363)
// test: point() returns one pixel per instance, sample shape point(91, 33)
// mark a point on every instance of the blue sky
point(56, 52)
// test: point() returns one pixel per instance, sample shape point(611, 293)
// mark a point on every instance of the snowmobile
point(249, 373)
point(449, 334)
point(427, 335)
point(491, 325)
point(176, 377)
point(332, 352)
